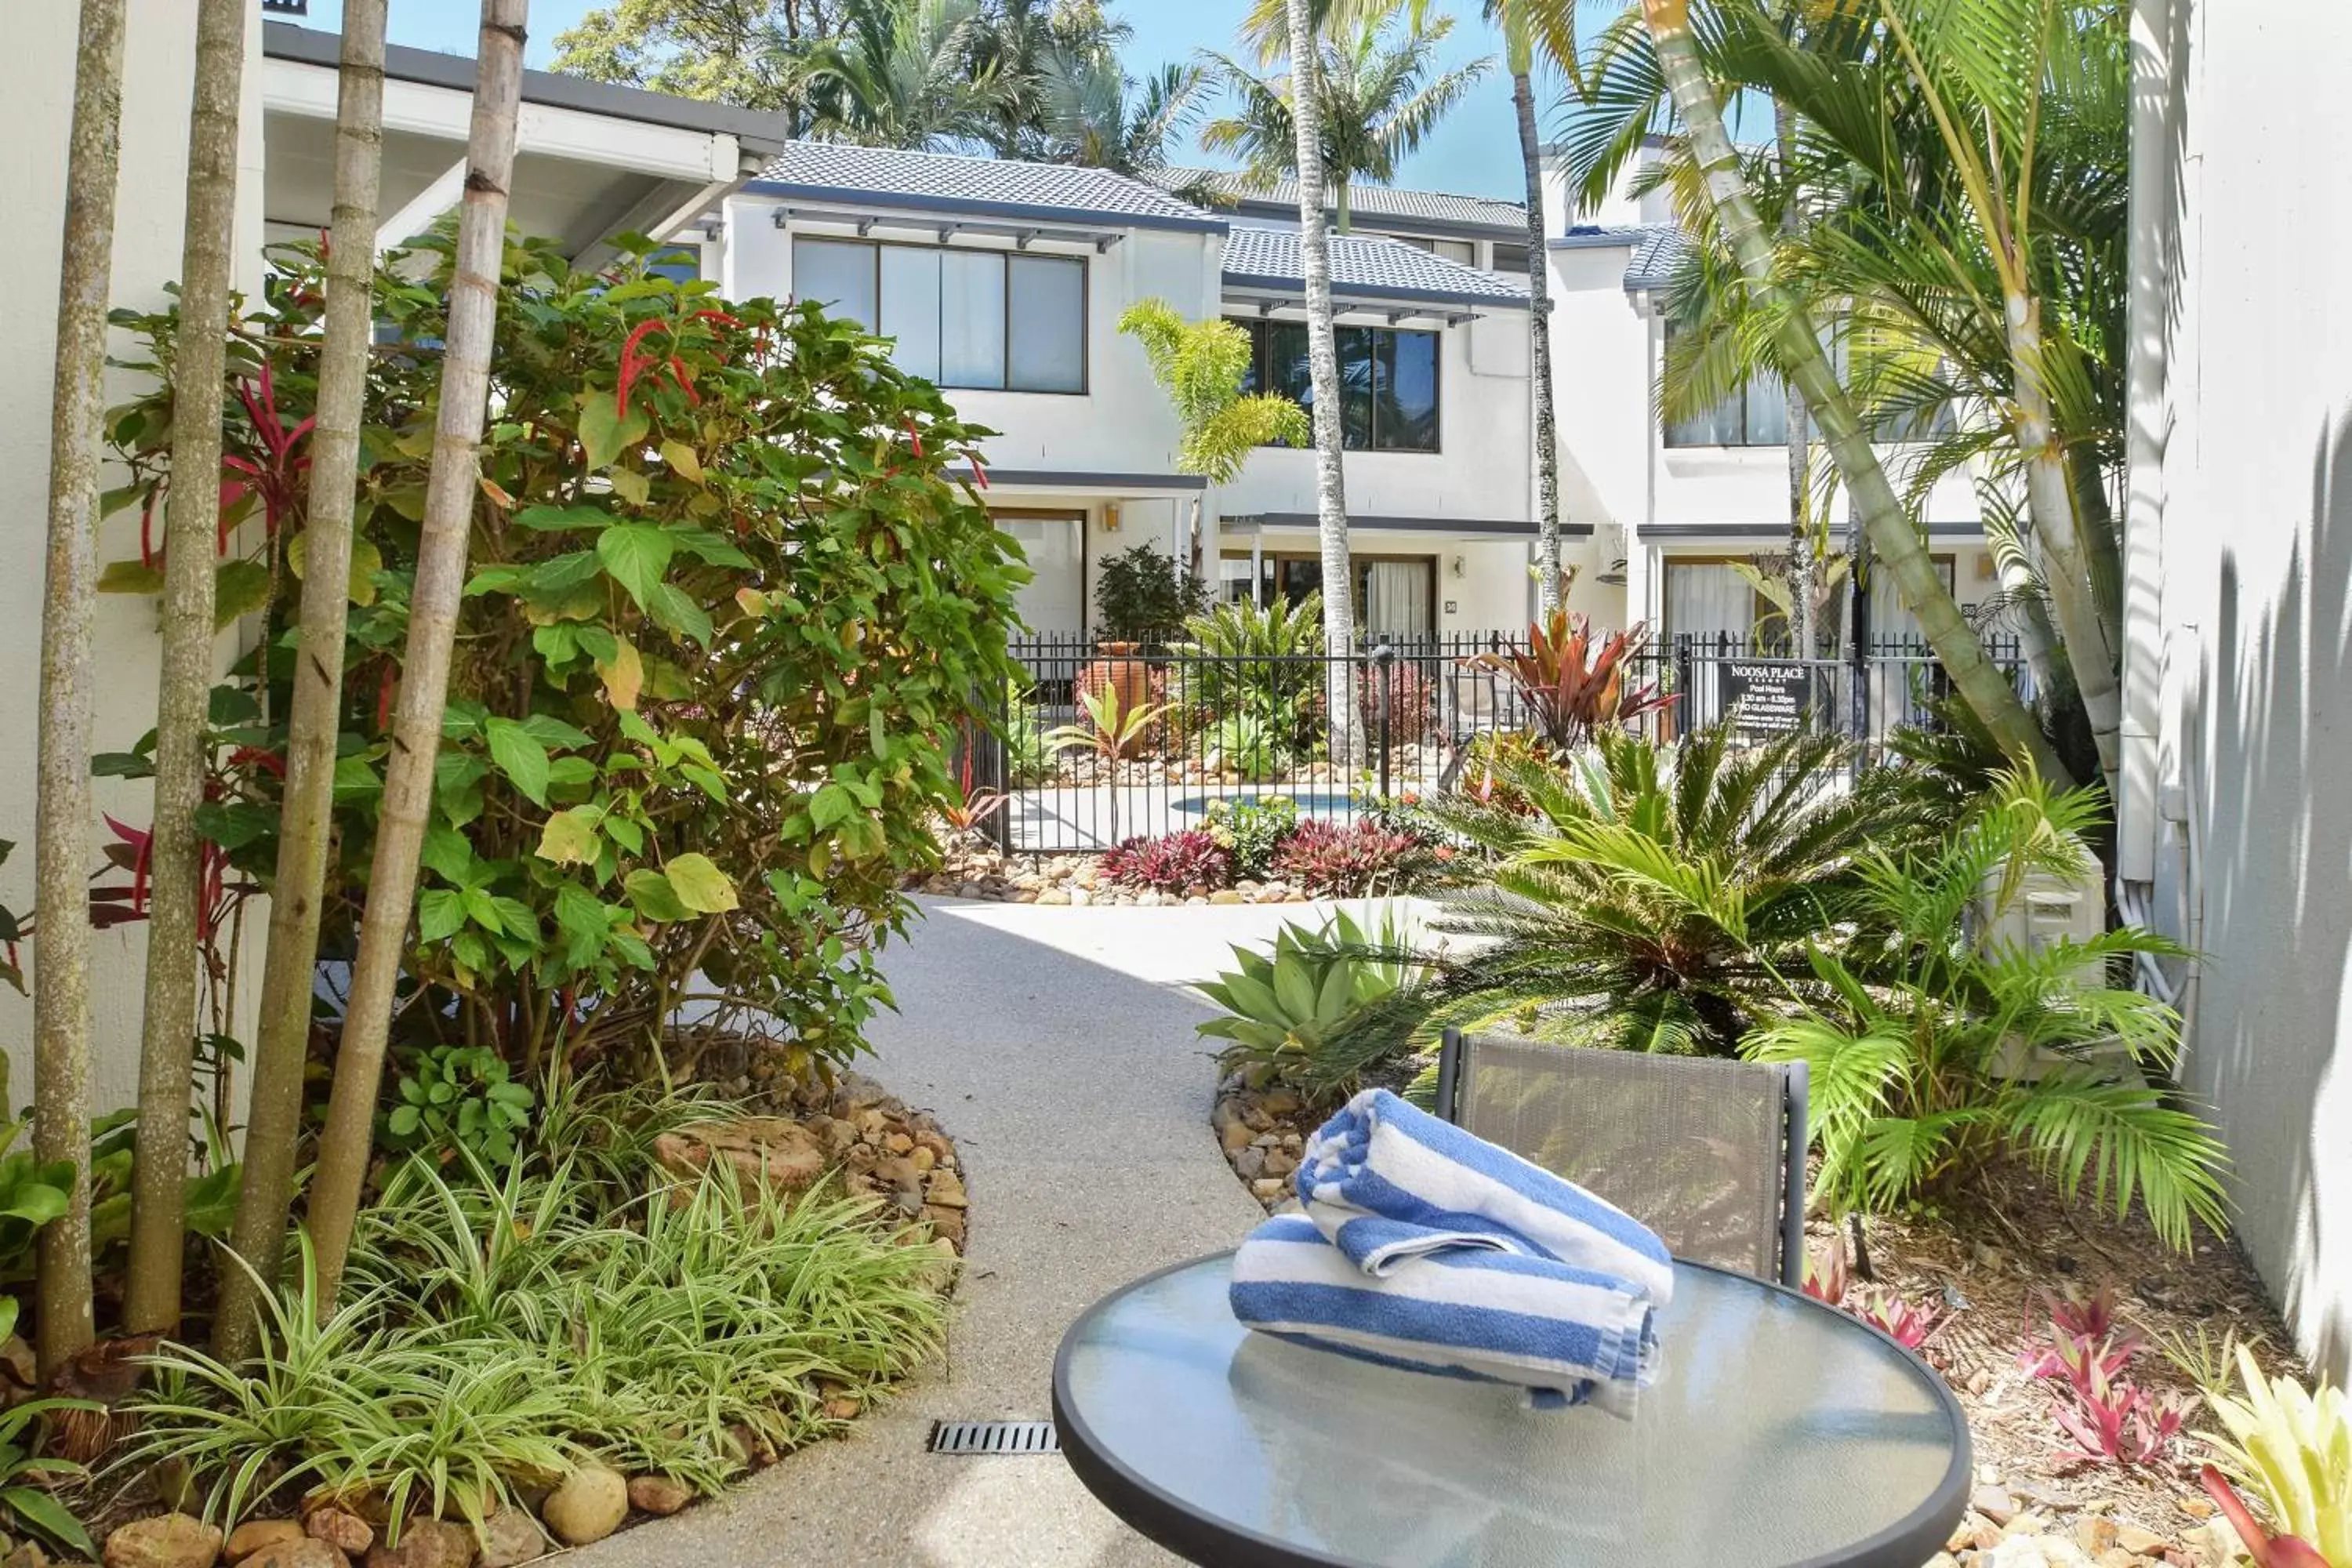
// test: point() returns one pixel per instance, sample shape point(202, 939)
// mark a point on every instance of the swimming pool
point(1310, 803)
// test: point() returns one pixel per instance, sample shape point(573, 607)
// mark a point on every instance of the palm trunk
point(191, 529)
point(290, 968)
point(69, 679)
point(345, 1143)
point(1547, 583)
point(1323, 363)
point(2066, 564)
point(1893, 539)
point(1799, 570)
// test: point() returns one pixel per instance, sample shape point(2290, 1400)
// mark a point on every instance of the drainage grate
point(995, 1437)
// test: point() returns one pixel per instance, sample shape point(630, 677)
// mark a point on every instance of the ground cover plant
point(504, 1325)
point(1288, 1011)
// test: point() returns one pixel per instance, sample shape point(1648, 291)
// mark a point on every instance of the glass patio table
point(1778, 1433)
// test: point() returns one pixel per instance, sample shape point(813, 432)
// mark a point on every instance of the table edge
point(1165, 1520)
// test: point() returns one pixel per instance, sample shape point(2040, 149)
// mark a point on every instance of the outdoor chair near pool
point(1708, 1153)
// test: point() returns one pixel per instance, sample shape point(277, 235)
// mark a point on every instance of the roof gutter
point(974, 207)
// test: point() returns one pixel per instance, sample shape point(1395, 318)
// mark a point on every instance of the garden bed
point(1077, 878)
point(814, 1146)
point(1986, 1266)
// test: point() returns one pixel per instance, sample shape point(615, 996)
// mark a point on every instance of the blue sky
point(1475, 150)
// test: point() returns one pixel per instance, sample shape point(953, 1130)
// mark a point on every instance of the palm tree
point(1780, 313)
point(1381, 94)
point(1527, 26)
point(69, 679)
point(1099, 117)
point(1029, 46)
point(1920, 242)
point(905, 73)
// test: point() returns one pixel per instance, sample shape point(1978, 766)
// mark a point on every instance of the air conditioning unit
point(2033, 913)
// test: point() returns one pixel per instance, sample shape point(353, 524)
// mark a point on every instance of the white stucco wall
point(2256, 587)
point(150, 211)
point(1120, 424)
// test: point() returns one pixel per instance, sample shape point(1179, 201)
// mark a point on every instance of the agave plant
point(1572, 684)
point(2292, 1448)
point(1288, 1011)
point(1648, 896)
point(1934, 1053)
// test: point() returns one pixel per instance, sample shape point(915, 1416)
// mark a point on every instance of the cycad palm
point(1654, 898)
point(1932, 1051)
point(1382, 93)
point(903, 73)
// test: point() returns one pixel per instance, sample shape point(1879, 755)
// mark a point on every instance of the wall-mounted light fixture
point(1458, 567)
point(1110, 516)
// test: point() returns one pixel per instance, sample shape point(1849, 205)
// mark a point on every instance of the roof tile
point(967, 182)
point(1369, 264)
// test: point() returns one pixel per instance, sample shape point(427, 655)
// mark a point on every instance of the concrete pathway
point(1056, 1046)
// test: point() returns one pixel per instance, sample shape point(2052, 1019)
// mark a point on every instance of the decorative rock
point(588, 1506)
point(2194, 1506)
point(426, 1543)
point(255, 1533)
point(2096, 1535)
point(783, 1151)
point(2137, 1541)
point(1148, 899)
point(1278, 1102)
point(24, 1555)
point(2116, 1557)
point(2213, 1543)
point(165, 1541)
point(947, 1223)
point(1265, 1187)
point(1280, 1163)
point(1225, 895)
point(922, 1158)
point(1994, 1503)
point(843, 1409)
point(303, 1552)
point(346, 1532)
point(510, 1536)
point(1249, 1164)
point(968, 890)
point(1057, 896)
point(1235, 1137)
point(661, 1496)
point(945, 1190)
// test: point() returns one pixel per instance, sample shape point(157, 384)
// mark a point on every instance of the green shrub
point(1252, 830)
point(1267, 663)
point(1141, 592)
point(454, 1098)
point(1245, 743)
point(725, 604)
point(1931, 1052)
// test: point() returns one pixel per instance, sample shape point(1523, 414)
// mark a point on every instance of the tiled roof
point(1365, 265)
point(1441, 209)
point(1657, 255)
point(950, 183)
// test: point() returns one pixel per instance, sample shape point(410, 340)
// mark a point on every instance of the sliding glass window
point(986, 319)
point(1388, 381)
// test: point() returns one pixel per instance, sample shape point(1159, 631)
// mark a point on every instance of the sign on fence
point(1767, 696)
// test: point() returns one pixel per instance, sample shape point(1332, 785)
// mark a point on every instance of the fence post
point(1860, 652)
point(1687, 695)
point(1384, 657)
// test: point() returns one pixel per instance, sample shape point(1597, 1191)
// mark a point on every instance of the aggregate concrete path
point(1056, 1046)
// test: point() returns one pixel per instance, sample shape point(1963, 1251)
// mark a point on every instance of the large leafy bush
point(727, 604)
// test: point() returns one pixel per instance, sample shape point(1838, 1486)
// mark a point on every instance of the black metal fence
point(1205, 727)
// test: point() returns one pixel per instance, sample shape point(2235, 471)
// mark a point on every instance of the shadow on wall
point(2275, 1004)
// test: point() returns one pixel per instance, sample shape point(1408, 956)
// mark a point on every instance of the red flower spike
point(979, 474)
point(385, 686)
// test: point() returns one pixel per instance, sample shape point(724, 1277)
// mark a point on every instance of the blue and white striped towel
point(1386, 1181)
point(1573, 1335)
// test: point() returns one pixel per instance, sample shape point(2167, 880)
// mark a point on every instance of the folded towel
point(1386, 1183)
point(1574, 1335)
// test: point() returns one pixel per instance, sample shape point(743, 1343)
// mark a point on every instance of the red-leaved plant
point(1170, 863)
point(1346, 862)
point(1573, 684)
point(2088, 1352)
point(1897, 1319)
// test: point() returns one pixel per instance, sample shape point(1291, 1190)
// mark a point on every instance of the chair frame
point(1796, 1083)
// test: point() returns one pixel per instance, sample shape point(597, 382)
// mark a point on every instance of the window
point(1395, 595)
point(1511, 257)
point(988, 319)
point(1388, 381)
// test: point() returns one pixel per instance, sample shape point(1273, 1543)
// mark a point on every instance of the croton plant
point(730, 592)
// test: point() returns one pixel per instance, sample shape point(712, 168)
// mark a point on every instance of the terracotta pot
point(1121, 672)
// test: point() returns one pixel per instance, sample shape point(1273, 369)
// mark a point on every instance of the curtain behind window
point(837, 274)
point(1708, 599)
point(971, 319)
point(1396, 597)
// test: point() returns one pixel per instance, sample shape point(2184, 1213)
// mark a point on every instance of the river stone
point(165, 1541)
point(661, 1496)
point(301, 1552)
point(588, 1506)
point(510, 1536)
point(255, 1533)
point(426, 1543)
point(346, 1531)
point(787, 1154)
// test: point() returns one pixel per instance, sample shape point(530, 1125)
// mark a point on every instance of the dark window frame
point(1086, 305)
point(1261, 334)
